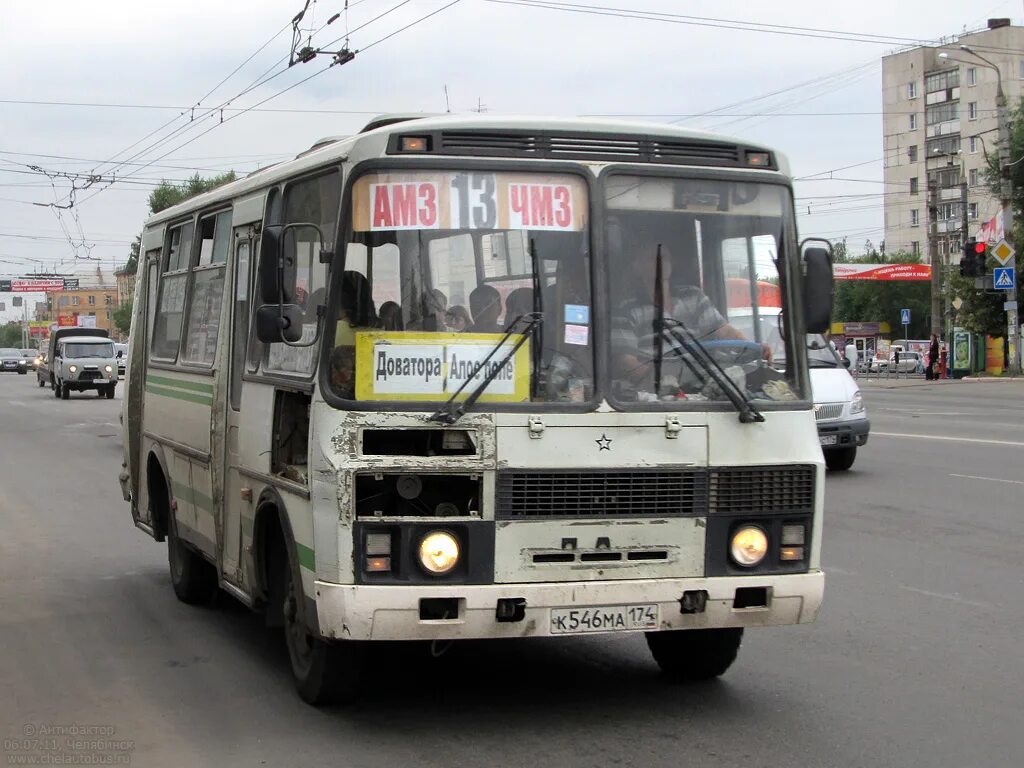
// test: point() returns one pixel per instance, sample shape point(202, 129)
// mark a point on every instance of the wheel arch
point(158, 486)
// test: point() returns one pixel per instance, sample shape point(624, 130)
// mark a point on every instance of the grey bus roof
point(373, 142)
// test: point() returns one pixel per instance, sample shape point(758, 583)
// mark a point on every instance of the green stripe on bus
point(163, 392)
point(307, 558)
point(195, 386)
point(198, 499)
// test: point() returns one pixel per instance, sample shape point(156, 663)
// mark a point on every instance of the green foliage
point(132, 265)
point(123, 317)
point(992, 176)
point(167, 195)
point(10, 335)
point(881, 301)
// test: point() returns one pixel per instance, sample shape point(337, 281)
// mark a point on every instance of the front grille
point(828, 411)
point(564, 145)
point(89, 376)
point(746, 490)
point(628, 493)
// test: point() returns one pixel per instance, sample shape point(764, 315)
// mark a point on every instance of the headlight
point(749, 546)
point(439, 552)
point(857, 403)
point(108, 369)
point(73, 368)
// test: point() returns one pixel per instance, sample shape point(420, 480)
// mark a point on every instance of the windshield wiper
point(451, 412)
point(685, 338)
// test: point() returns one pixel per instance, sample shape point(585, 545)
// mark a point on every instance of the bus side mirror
point(819, 288)
point(274, 270)
point(279, 322)
point(846, 363)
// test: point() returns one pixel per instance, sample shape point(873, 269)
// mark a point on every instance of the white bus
point(474, 377)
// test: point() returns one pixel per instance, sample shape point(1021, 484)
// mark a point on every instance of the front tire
point(110, 391)
point(840, 459)
point(692, 655)
point(65, 393)
point(56, 388)
point(324, 673)
point(193, 578)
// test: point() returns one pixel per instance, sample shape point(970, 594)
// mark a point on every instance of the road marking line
point(20, 403)
point(946, 437)
point(942, 595)
point(989, 479)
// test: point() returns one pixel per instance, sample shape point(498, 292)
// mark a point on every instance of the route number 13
point(473, 201)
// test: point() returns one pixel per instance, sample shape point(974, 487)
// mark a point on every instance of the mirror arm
point(326, 257)
point(321, 312)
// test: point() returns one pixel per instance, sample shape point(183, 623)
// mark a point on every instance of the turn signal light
point(759, 159)
point(378, 564)
point(791, 553)
point(414, 144)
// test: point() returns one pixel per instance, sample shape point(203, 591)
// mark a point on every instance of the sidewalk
point(881, 382)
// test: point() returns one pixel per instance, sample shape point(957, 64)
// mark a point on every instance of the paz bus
point(474, 377)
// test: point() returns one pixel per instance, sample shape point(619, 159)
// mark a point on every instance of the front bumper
point(88, 383)
point(392, 612)
point(847, 433)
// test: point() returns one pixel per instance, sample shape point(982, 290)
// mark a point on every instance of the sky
point(132, 92)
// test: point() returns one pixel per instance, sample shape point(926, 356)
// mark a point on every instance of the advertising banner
point(961, 350)
point(66, 321)
point(882, 271)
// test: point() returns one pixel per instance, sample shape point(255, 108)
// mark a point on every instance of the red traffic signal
point(979, 247)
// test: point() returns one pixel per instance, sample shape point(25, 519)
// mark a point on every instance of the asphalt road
point(916, 659)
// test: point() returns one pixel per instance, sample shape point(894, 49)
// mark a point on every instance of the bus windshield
point(440, 265)
point(689, 260)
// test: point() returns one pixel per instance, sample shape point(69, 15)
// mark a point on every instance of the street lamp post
point(1006, 197)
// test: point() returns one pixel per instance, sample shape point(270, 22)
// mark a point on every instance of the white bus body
point(581, 497)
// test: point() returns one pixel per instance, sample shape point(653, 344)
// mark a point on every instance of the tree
point(1016, 169)
point(123, 317)
point(10, 335)
point(167, 195)
point(878, 300)
point(132, 265)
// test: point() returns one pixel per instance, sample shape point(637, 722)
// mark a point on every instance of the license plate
point(828, 439)
point(604, 618)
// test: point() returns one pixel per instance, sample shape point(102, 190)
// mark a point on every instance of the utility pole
point(1006, 196)
point(933, 256)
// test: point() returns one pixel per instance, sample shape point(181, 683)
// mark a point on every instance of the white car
point(843, 424)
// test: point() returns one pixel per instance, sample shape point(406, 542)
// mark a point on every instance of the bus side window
point(203, 327)
point(173, 288)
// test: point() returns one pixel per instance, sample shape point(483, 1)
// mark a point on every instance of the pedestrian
point(933, 358)
point(851, 356)
point(896, 361)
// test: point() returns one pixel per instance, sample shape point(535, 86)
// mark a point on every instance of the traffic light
point(972, 263)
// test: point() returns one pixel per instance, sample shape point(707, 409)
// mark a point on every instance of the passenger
point(355, 309)
point(391, 316)
point(518, 303)
point(485, 304)
point(457, 318)
point(435, 304)
point(343, 369)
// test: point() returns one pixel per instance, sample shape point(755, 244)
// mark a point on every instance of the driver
point(633, 318)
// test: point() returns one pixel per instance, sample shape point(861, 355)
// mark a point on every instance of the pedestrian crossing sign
point(1004, 278)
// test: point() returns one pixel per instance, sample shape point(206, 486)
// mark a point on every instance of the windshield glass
point(78, 350)
point(703, 255)
point(439, 264)
point(9, 353)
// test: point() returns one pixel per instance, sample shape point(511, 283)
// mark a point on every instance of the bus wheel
point(688, 655)
point(193, 578)
point(324, 673)
point(840, 459)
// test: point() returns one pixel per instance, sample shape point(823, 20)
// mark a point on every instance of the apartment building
point(73, 306)
point(939, 124)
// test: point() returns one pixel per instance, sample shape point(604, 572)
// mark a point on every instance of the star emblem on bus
point(604, 443)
